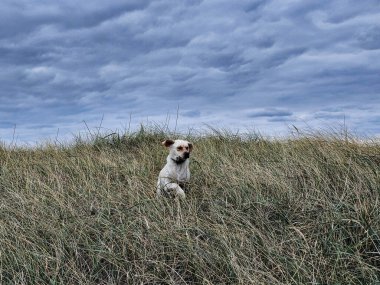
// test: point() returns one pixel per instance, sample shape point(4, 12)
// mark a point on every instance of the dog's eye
point(179, 148)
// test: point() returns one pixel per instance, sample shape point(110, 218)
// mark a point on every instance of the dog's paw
point(172, 193)
point(180, 193)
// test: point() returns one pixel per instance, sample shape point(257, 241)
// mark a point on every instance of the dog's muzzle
point(181, 159)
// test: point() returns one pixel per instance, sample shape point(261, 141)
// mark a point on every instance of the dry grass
point(298, 211)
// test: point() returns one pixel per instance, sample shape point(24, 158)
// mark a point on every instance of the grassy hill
point(304, 210)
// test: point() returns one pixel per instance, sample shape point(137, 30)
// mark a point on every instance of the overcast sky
point(247, 65)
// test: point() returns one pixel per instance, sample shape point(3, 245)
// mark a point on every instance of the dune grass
point(303, 210)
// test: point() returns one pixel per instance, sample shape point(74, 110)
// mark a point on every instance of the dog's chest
point(179, 173)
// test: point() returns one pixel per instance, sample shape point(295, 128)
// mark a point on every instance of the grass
point(303, 210)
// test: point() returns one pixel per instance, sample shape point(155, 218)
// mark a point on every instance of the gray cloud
point(270, 112)
point(192, 114)
point(331, 115)
point(369, 38)
point(262, 63)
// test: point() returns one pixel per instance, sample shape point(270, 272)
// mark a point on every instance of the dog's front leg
point(165, 187)
point(174, 187)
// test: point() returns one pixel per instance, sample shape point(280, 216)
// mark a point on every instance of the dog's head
point(179, 150)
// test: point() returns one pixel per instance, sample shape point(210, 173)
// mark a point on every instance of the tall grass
point(303, 210)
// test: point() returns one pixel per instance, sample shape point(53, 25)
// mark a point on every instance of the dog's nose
point(186, 155)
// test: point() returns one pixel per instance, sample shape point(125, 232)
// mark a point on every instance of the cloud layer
point(238, 64)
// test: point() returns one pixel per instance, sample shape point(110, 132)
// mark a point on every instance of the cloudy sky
point(247, 65)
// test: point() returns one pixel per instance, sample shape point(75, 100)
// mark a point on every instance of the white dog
point(176, 171)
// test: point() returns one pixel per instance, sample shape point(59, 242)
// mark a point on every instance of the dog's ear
point(167, 143)
point(190, 147)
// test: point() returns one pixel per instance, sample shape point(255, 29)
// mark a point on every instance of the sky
point(68, 66)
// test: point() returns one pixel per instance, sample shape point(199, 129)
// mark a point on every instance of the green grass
point(304, 210)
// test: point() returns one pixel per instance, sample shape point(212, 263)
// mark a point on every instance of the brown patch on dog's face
point(183, 148)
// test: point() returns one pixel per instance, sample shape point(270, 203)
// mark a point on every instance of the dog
point(176, 172)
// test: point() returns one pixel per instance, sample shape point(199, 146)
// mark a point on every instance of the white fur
point(174, 173)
